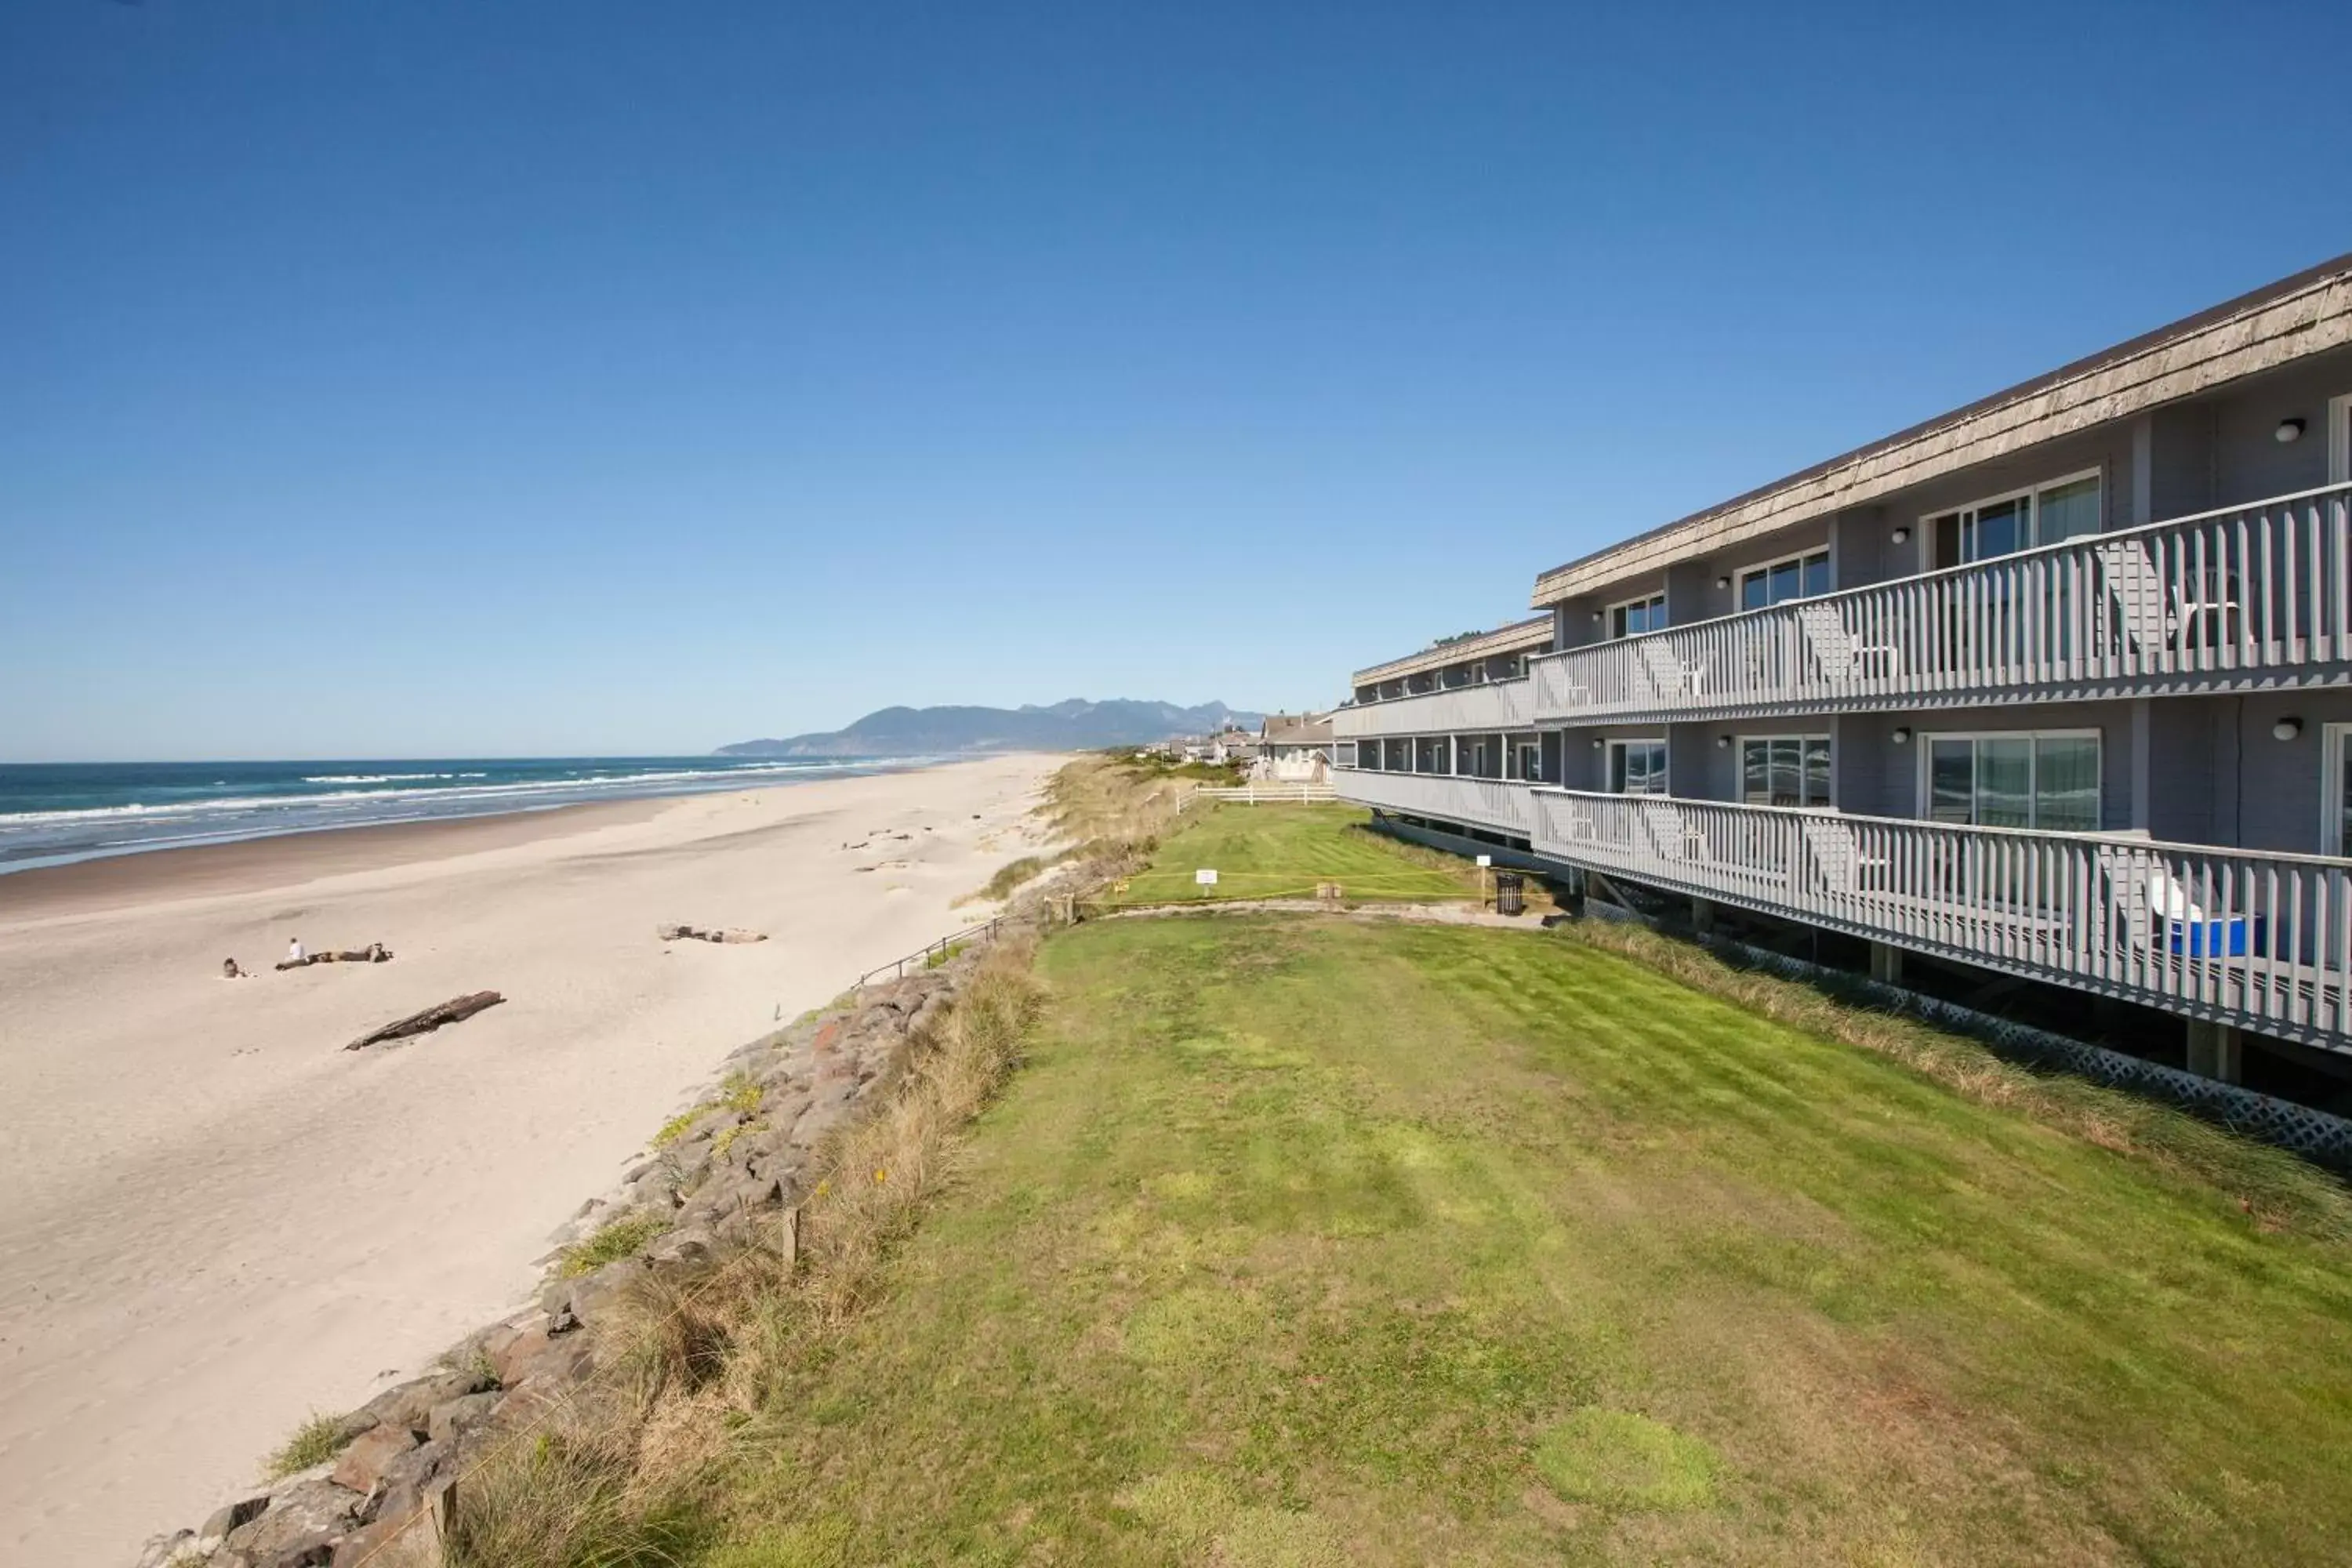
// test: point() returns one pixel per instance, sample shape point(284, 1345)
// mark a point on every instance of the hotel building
point(2054, 690)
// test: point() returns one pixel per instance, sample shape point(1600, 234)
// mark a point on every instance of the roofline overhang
point(1484, 645)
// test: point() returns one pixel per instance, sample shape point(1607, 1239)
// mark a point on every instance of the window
point(2046, 514)
point(1635, 617)
point(2339, 440)
point(1784, 770)
point(1637, 767)
point(2014, 779)
point(2335, 792)
point(1528, 759)
point(1798, 577)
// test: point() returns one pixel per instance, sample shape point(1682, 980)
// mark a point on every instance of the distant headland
point(1071, 726)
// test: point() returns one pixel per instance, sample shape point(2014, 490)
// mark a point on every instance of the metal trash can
point(1509, 887)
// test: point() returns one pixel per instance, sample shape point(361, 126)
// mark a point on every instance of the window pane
point(1751, 591)
point(1788, 772)
point(1617, 769)
point(1755, 772)
point(1951, 781)
point(1784, 581)
point(2066, 784)
point(2344, 796)
point(1817, 575)
point(2068, 510)
point(1999, 530)
point(1817, 769)
point(2005, 781)
point(1654, 768)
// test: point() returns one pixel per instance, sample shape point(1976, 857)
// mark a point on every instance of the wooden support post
point(1885, 963)
point(1703, 916)
point(2216, 1051)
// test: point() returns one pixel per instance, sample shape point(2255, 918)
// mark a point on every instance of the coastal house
point(2054, 690)
point(1294, 748)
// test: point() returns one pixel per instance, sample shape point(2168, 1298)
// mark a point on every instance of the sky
point(558, 378)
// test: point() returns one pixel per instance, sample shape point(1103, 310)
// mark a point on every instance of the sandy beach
point(217, 1220)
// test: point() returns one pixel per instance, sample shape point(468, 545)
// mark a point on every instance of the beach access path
point(215, 1220)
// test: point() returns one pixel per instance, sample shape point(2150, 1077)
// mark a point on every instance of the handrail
point(2136, 530)
point(934, 952)
point(2244, 936)
point(2263, 586)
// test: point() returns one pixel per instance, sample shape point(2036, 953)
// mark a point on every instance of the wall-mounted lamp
point(1722, 743)
point(1902, 536)
point(1723, 581)
point(1902, 735)
point(2286, 729)
point(1596, 617)
point(2288, 430)
point(1598, 742)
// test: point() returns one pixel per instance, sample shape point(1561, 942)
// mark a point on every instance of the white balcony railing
point(2226, 598)
point(2260, 940)
point(1484, 803)
point(1497, 705)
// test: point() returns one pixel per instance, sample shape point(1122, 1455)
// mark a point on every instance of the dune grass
point(317, 1440)
point(1313, 1241)
point(1286, 852)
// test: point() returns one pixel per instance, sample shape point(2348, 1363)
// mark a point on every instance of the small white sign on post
point(1205, 878)
point(1485, 862)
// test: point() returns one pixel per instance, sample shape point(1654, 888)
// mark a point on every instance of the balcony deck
point(2261, 941)
point(2250, 596)
point(1498, 705)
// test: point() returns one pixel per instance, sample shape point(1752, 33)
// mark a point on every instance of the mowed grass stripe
point(1286, 851)
point(1320, 1242)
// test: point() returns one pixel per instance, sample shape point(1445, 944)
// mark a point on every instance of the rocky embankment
point(712, 1180)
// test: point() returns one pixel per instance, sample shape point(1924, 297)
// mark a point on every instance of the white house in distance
point(1294, 748)
point(2054, 690)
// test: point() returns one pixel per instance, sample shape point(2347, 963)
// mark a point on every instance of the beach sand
point(214, 1220)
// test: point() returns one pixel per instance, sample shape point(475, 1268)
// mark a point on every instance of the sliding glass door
point(2015, 780)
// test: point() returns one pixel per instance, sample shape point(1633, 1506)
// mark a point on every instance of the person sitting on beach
point(230, 970)
point(294, 953)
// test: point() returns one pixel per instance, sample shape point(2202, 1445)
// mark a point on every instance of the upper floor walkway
point(2242, 598)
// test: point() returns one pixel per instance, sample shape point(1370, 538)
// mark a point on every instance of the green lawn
point(1285, 851)
point(1315, 1242)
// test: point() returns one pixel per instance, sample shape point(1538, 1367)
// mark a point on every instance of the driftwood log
point(374, 953)
point(454, 1010)
point(695, 933)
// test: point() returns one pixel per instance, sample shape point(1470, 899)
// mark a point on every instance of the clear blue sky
point(522, 378)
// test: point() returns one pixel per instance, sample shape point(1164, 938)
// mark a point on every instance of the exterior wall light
point(1596, 617)
point(1723, 581)
point(1722, 743)
point(2286, 729)
point(1598, 742)
point(1902, 536)
point(1902, 735)
point(2288, 430)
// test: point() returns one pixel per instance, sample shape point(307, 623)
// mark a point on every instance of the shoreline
point(218, 1220)
point(198, 870)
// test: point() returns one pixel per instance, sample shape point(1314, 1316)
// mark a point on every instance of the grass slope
point(1284, 851)
point(1315, 1242)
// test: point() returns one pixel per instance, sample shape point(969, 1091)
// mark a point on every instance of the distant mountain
point(1072, 726)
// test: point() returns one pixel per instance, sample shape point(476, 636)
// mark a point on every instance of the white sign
point(1205, 878)
point(1485, 862)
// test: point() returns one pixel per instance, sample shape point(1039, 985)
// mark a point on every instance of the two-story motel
point(2058, 685)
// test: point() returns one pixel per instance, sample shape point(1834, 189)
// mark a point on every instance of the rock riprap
point(387, 1495)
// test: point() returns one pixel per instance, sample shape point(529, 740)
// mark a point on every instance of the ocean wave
point(456, 794)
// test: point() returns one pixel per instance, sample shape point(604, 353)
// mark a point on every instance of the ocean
point(52, 814)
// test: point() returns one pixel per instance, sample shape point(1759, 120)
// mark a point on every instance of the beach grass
point(1288, 851)
point(317, 1440)
point(623, 1236)
point(1311, 1240)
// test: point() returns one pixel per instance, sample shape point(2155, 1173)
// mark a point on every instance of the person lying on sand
point(231, 970)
